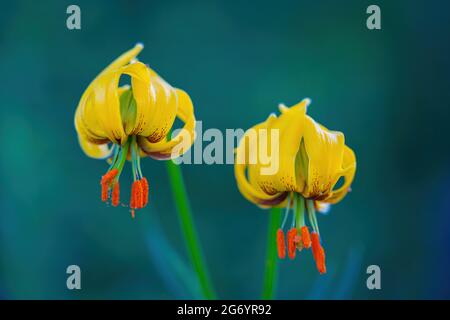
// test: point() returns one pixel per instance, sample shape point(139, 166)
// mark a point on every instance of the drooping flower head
point(128, 122)
point(311, 161)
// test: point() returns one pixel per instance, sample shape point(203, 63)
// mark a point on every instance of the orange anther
point(291, 235)
point(133, 196)
point(114, 173)
point(281, 244)
point(144, 184)
point(321, 261)
point(105, 182)
point(116, 194)
point(109, 176)
point(305, 236)
point(139, 195)
point(104, 192)
point(315, 241)
point(318, 253)
point(136, 195)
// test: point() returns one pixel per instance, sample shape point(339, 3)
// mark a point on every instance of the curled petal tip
point(282, 107)
point(271, 117)
point(307, 101)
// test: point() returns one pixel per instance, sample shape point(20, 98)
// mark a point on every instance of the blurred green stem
point(188, 228)
point(271, 272)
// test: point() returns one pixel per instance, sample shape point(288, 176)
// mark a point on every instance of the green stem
point(271, 272)
point(188, 228)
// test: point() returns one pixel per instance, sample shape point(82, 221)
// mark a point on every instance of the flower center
point(298, 236)
point(110, 181)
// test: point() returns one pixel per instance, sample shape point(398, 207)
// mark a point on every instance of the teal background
point(387, 90)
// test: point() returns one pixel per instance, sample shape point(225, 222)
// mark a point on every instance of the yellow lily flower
point(129, 122)
point(312, 159)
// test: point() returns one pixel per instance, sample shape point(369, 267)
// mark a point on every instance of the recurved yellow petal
point(290, 127)
point(124, 59)
point(106, 106)
point(247, 170)
point(96, 151)
point(325, 150)
point(140, 83)
point(165, 149)
point(156, 102)
point(348, 173)
point(98, 113)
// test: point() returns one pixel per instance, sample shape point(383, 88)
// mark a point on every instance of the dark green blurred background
point(387, 90)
